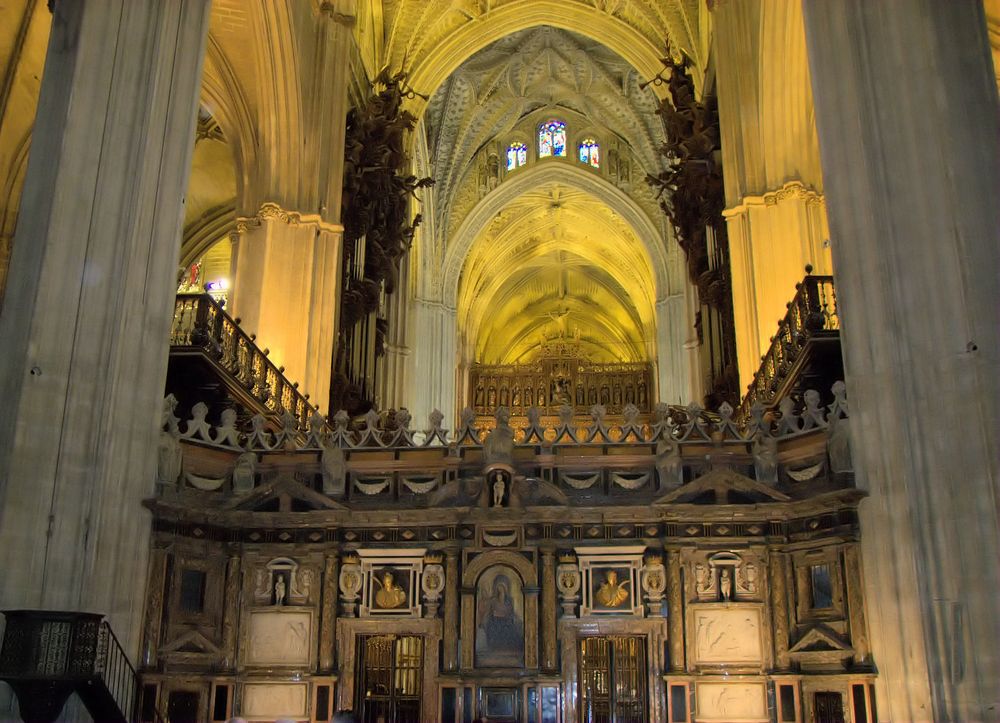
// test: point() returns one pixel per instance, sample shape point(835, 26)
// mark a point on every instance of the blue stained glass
point(522, 154)
point(552, 139)
point(590, 153)
point(517, 155)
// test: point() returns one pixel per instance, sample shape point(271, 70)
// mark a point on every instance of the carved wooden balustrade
point(812, 314)
point(549, 383)
point(202, 327)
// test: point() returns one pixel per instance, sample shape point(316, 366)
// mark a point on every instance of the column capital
point(269, 210)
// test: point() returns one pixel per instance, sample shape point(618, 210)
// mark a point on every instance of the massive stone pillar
point(432, 373)
point(909, 131)
point(286, 261)
point(89, 301)
point(775, 211)
point(285, 290)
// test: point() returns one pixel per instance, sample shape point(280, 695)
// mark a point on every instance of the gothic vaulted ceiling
point(558, 258)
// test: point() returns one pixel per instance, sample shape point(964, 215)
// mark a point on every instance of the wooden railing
point(811, 312)
point(200, 324)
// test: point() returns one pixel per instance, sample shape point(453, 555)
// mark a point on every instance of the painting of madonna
point(499, 619)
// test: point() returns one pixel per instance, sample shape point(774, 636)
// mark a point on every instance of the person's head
point(612, 577)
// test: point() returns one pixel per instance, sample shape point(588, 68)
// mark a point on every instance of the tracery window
point(517, 155)
point(552, 139)
point(590, 153)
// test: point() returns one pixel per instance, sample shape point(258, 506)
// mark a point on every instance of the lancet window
point(517, 155)
point(552, 139)
point(590, 153)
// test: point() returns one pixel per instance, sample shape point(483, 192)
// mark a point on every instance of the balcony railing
point(47, 655)
point(201, 325)
point(812, 312)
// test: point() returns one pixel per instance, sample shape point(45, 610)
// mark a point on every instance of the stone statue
point(669, 467)
point(334, 468)
point(838, 445)
point(499, 489)
point(390, 595)
point(499, 446)
point(243, 473)
point(612, 592)
point(197, 427)
point(726, 584)
point(765, 458)
point(279, 590)
point(169, 453)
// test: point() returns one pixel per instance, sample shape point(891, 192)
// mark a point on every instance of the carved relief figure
point(613, 592)
point(499, 619)
point(390, 595)
point(701, 578)
point(765, 459)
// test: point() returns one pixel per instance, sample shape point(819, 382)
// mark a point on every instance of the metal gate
point(389, 678)
point(613, 678)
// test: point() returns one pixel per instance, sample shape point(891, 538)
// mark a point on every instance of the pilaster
point(328, 613)
point(675, 611)
point(548, 612)
point(451, 611)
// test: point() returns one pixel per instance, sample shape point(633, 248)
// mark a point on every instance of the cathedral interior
point(507, 361)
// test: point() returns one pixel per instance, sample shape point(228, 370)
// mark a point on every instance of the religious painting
point(611, 589)
point(390, 589)
point(499, 619)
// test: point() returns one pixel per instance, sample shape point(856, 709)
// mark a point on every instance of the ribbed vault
point(556, 262)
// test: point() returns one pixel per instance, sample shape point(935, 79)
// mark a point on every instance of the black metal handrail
point(201, 324)
point(47, 655)
point(113, 666)
point(812, 311)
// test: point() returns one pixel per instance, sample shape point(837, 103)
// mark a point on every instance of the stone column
point(675, 611)
point(777, 581)
point(548, 611)
point(154, 606)
point(88, 304)
point(328, 624)
point(775, 211)
point(451, 610)
point(285, 290)
point(431, 362)
point(909, 130)
point(856, 604)
point(231, 616)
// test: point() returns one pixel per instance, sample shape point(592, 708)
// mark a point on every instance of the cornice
point(271, 211)
point(790, 190)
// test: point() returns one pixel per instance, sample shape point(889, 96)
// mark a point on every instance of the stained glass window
point(517, 155)
point(590, 153)
point(552, 139)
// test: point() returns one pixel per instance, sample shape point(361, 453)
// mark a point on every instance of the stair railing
point(812, 310)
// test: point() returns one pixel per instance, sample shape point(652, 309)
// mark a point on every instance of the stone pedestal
point(909, 130)
point(89, 301)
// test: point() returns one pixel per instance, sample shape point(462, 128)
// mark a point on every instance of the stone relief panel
point(727, 635)
point(731, 702)
point(271, 701)
point(279, 637)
